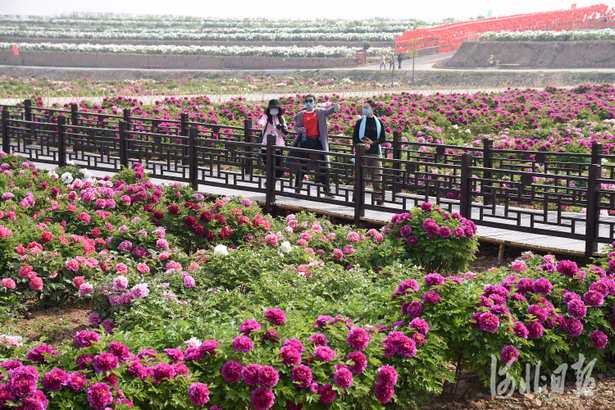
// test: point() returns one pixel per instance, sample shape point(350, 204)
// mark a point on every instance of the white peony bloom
point(285, 247)
point(193, 341)
point(220, 250)
point(52, 173)
point(67, 177)
point(86, 173)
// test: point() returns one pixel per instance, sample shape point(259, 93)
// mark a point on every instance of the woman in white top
point(273, 122)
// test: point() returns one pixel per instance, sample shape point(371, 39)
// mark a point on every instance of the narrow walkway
point(344, 210)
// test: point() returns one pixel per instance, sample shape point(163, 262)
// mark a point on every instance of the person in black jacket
point(370, 130)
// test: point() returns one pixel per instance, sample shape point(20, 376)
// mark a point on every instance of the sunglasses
point(307, 101)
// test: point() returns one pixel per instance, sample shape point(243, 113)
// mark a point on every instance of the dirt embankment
point(256, 43)
point(423, 79)
point(167, 61)
point(535, 54)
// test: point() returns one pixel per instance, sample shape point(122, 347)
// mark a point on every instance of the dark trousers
point(315, 159)
point(279, 171)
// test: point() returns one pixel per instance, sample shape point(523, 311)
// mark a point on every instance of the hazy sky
point(358, 9)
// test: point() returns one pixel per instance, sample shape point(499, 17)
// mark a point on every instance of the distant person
point(273, 122)
point(399, 58)
point(392, 62)
point(491, 60)
point(383, 63)
point(370, 131)
point(312, 133)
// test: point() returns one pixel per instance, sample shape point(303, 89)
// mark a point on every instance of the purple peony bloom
point(249, 374)
point(387, 375)
point(296, 344)
point(343, 378)
point(577, 309)
point(243, 344)
point(163, 371)
point(262, 398)
point(55, 379)
point(574, 327)
point(85, 338)
point(412, 240)
point(535, 330)
point(208, 347)
point(525, 285)
point(567, 268)
point(231, 371)
point(122, 352)
point(420, 325)
point(199, 394)
point(289, 355)
point(104, 362)
point(431, 297)
point(542, 286)
point(599, 338)
point(268, 376)
point(593, 298)
point(248, 326)
point(275, 316)
point(327, 394)
point(324, 353)
point(520, 330)
point(434, 279)
point(99, 396)
point(358, 338)
point(488, 322)
point(35, 401)
point(509, 354)
point(360, 362)
point(23, 381)
point(444, 232)
point(414, 308)
point(77, 381)
point(569, 296)
point(538, 312)
point(406, 348)
point(383, 392)
point(302, 375)
point(40, 354)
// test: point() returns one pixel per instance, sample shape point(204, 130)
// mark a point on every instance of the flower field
point(264, 51)
point(549, 120)
point(574, 35)
point(199, 303)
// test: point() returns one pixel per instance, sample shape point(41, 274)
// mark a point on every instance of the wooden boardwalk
point(345, 210)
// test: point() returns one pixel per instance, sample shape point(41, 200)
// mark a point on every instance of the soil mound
point(534, 54)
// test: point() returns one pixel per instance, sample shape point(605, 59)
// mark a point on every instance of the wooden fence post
point(596, 153)
point(6, 140)
point(593, 212)
point(27, 104)
point(123, 154)
point(359, 184)
point(270, 173)
point(74, 109)
point(465, 203)
point(397, 156)
point(184, 127)
point(61, 147)
point(127, 119)
point(487, 163)
point(194, 133)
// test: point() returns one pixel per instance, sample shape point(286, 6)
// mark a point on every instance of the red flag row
point(449, 37)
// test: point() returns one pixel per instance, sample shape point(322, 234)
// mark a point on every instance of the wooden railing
point(521, 191)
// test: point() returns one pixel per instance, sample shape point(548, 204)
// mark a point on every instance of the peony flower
point(199, 394)
point(488, 322)
point(104, 362)
point(262, 398)
point(324, 353)
point(358, 338)
point(268, 376)
point(86, 338)
point(302, 375)
point(99, 396)
point(243, 344)
point(509, 354)
point(360, 362)
point(231, 371)
point(343, 378)
point(275, 316)
point(327, 394)
point(384, 392)
point(248, 326)
point(599, 338)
